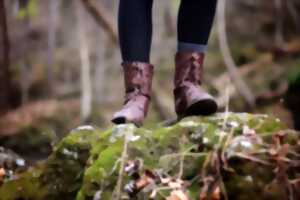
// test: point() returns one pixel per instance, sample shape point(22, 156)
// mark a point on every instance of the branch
point(238, 82)
point(118, 192)
point(103, 18)
point(243, 70)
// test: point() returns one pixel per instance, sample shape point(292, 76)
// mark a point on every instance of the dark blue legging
point(195, 20)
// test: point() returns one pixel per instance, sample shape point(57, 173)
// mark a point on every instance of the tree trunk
point(53, 13)
point(5, 75)
point(86, 86)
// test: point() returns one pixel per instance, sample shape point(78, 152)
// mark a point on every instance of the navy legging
point(195, 20)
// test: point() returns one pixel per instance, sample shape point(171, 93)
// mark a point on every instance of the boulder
point(226, 156)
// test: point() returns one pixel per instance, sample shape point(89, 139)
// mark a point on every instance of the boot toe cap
point(206, 106)
point(128, 116)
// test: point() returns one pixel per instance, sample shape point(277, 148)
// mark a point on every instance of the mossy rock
point(235, 156)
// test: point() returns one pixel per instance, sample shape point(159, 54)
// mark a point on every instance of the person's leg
point(135, 32)
point(135, 29)
point(195, 21)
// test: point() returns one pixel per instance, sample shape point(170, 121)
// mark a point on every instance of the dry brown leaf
point(175, 184)
point(143, 182)
point(2, 174)
point(216, 195)
point(178, 195)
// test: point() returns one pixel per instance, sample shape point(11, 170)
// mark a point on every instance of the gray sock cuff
point(185, 46)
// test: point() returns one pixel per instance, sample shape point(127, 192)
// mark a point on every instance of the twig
point(181, 161)
point(243, 70)
point(226, 108)
point(181, 165)
point(241, 86)
point(251, 158)
point(103, 18)
point(222, 184)
point(118, 190)
point(186, 154)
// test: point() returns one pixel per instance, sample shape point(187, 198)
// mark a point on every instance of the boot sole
point(119, 120)
point(204, 107)
point(122, 120)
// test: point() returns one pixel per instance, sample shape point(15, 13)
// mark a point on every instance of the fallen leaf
point(216, 195)
point(2, 174)
point(178, 195)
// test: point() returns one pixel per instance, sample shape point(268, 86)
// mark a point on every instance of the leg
point(135, 29)
point(194, 25)
point(195, 21)
point(135, 32)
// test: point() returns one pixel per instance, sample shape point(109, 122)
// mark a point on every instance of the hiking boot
point(138, 81)
point(190, 98)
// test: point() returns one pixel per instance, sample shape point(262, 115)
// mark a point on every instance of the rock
point(10, 164)
point(238, 156)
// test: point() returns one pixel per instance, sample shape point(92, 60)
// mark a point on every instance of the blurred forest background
point(60, 65)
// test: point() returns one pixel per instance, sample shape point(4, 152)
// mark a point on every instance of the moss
point(30, 141)
point(87, 162)
point(26, 186)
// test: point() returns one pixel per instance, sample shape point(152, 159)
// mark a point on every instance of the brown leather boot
point(190, 98)
point(138, 81)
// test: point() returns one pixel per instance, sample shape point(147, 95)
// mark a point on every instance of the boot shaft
point(188, 68)
point(190, 98)
point(137, 79)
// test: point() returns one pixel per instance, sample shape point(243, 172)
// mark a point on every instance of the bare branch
point(238, 82)
point(103, 18)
